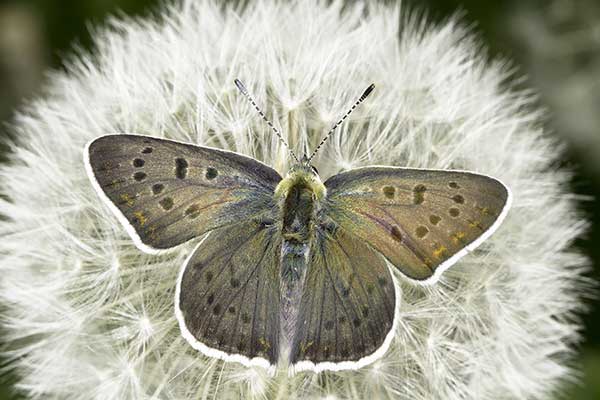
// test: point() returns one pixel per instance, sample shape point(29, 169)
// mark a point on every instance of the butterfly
point(294, 271)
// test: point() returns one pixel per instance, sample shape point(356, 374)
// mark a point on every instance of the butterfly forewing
point(228, 294)
point(347, 307)
point(167, 192)
point(420, 220)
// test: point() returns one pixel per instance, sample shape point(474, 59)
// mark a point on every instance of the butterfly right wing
point(347, 309)
point(422, 221)
point(227, 296)
point(166, 193)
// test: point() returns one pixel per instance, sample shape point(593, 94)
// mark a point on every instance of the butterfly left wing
point(347, 308)
point(166, 193)
point(227, 296)
point(422, 221)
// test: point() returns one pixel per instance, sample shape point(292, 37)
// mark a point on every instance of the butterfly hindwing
point(167, 192)
point(347, 306)
point(420, 220)
point(227, 299)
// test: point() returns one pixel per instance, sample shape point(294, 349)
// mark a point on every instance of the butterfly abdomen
point(293, 273)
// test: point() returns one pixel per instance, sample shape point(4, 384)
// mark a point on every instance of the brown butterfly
point(294, 271)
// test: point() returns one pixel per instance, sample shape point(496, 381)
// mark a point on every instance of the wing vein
point(363, 288)
point(264, 252)
point(342, 303)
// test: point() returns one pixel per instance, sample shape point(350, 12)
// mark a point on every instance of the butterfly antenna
point(362, 98)
point(244, 91)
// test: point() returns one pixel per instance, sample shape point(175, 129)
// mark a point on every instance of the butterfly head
point(303, 174)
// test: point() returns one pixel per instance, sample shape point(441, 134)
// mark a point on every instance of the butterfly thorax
point(299, 196)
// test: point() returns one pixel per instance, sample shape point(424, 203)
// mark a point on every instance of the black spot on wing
point(181, 168)
point(421, 231)
point(211, 173)
point(458, 199)
point(419, 194)
point(166, 203)
point(389, 191)
point(192, 211)
point(157, 188)
point(139, 176)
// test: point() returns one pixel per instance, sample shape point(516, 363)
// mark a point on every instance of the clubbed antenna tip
point(367, 92)
point(240, 86)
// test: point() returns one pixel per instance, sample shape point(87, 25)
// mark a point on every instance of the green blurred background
point(555, 43)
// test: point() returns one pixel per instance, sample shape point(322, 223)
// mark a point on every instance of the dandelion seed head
point(88, 316)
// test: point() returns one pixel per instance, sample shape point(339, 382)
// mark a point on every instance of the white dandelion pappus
point(88, 316)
